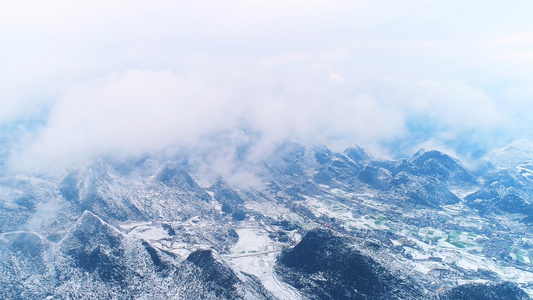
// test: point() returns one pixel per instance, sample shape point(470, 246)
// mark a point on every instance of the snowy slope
point(512, 155)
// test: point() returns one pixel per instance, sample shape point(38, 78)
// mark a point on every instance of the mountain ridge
point(417, 226)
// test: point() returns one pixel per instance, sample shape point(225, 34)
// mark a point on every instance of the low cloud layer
point(125, 79)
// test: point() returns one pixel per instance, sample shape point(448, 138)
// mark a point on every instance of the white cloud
point(457, 104)
point(129, 114)
point(338, 79)
point(519, 39)
point(137, 112)
point(127, 77)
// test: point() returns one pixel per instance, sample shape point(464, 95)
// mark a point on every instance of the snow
point(421, 268)
point(255, 253)
point(461, 193)
point(396, 243)
point(417, 255)
point(512, 155)
point(277, 211)
point(526, 170)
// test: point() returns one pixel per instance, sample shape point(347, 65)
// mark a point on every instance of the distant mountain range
point(319, 225)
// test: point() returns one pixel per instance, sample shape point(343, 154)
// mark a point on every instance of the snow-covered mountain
point(511, 155)
point(321, 225)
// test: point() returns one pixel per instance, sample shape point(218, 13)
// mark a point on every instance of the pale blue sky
point(87, 78)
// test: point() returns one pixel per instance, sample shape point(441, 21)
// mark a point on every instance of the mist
point(126, 79)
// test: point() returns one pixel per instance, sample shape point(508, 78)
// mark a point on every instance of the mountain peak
point(511, 155)
point(358, 154)
point(418, 153)
point(441, 166)
point(423, 155)
point(91, 223)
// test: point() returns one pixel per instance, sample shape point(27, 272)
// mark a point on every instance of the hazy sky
point(88, 78)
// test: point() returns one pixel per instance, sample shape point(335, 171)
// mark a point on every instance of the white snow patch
point(255, 253)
